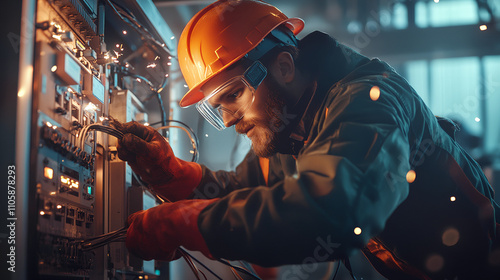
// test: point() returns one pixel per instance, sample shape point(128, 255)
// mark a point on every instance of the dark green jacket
point(351, 174)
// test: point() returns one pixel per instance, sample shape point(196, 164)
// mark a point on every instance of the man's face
point(262, 122)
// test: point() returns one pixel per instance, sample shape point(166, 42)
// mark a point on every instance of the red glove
point(156, 233)
point(151, 157)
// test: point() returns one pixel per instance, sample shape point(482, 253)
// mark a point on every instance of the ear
point(284, 68)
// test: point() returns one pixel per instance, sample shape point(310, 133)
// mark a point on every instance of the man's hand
point(156, 233)
point(151, 157)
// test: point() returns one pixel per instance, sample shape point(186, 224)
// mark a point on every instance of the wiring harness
point(120, 235)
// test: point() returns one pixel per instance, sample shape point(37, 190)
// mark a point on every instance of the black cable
point(162, 109)
point(139, 28)
point(336, 270)
point(196, 143)
point(239, 268)
point(198, 261)
point(156, 93)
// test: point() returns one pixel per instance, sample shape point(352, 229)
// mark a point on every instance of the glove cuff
point(186, 179)
point(192, 239)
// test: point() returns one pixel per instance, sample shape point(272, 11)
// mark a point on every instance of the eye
point(234, 95)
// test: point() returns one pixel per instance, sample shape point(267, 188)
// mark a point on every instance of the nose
point(229, 119)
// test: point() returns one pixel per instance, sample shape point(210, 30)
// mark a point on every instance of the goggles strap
point(277, 37)
point(255, 74)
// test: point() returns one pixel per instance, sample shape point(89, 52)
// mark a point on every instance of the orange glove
point(151, 157)
point(156, 233)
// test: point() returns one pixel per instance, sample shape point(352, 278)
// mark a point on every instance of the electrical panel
point(79, 189)
point(65, 169)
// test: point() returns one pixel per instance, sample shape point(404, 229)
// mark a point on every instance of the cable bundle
point(82, 135)
point(121, 234)
point(118, 235)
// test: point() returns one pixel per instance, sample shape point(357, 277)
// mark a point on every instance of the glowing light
point(42, 213)
point(48, 172)
point(436, 1)
point(450, 237)
point(124, 32)
point(53, 68)
point(54, 127)
point(146, 124)
point(56, 36)
point(166, 75)
point(169, 63)
point(59, 206)
point(434, 263)
point(206, 135)
point(477, 119)
point(52, 193)
point(357, 230)
point(173, 37)
point(374, 93)
point(411, 176)
point(74, 184)
point(64, 180)
point(157, 57)
point(117, 45)
point(138, 80)
point(101, 118)
point(48, 124)
point(483, 27)
point(452, 198)
point(106, 56)
point(163, 45)
point(169, 57)
point(191, 152)
point(151, 65)
point(91, 107)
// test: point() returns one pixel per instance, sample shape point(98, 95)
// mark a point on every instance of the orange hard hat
point(221, 34)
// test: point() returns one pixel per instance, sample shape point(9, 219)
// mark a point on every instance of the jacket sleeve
point(220, 183)
point(349, 180)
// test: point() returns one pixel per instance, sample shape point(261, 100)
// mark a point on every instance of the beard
point(265, 138)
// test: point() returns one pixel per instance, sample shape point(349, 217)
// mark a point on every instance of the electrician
point(345, 155)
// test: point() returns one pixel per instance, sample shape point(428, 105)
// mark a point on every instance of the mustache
point(242, 127)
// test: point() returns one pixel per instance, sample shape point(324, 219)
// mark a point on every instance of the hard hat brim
point(296, 25)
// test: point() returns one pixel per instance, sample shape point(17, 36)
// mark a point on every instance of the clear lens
point(229, 102)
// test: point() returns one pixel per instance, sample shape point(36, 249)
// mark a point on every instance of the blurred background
point(123, 62)
point(448, 50)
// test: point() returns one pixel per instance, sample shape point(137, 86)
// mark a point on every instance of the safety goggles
point(229, 102)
